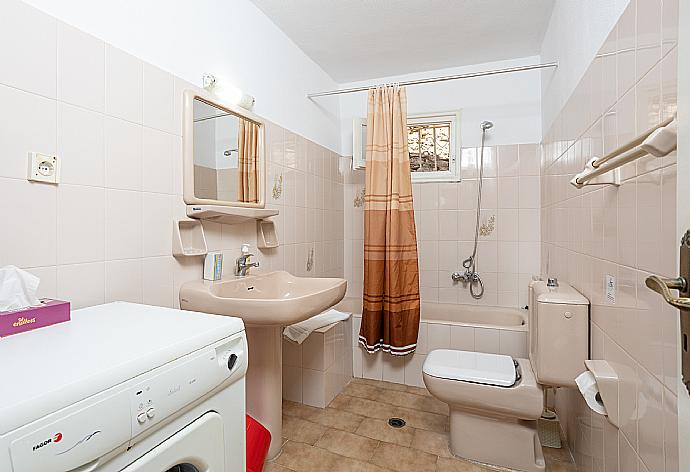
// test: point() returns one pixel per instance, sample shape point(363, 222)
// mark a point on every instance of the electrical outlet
point(43, 168)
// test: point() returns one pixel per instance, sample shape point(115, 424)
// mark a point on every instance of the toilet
point(494, 399)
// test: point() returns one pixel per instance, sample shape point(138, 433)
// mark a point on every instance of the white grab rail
point(659, 141)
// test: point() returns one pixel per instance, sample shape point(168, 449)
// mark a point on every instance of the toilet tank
point(558, 333)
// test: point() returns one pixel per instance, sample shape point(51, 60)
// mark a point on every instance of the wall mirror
point(223, 154)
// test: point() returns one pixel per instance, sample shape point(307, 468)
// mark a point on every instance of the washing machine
point(125, 387)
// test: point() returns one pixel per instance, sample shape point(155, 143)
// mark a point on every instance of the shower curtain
point(390, 314)
point(247, 174)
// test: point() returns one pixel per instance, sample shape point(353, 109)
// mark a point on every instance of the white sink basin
point(274, 298)
point(265, 302)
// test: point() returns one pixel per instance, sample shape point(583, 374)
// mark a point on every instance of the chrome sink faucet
point(242, 264)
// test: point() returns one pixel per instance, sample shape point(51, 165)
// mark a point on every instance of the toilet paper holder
point(608, 385)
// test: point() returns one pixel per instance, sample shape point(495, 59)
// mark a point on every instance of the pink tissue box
point(49, 312)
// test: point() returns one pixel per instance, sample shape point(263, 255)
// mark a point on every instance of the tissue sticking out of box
point(588, 388)
point(17, 288)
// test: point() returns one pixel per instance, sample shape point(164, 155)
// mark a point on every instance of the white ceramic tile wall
point(317, 370)
point(445, 220)
point(115, 121)
point(628, 232)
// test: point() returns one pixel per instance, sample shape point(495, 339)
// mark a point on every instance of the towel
point(298, 332)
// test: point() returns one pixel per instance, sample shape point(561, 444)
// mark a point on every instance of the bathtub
point(497, 330)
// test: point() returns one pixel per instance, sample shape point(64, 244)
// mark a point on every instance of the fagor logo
point(57, 437)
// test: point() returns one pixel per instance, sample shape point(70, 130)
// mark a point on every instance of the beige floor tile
point(321, 440)
point(297, 429)
point(403, 459)
point(431, 442)
point(446, 464)
point(302, 457)
point(348, 444)
point(557, 454)
point(413, 401)
point(380, 429)
point(356, 389)
point(330, 417)
point(275, 467)
point(298, 409)
point(422, 419)
point(417, 390)
point(345, 464)
point(363, 407)
point(558, 466)
point(381, 384)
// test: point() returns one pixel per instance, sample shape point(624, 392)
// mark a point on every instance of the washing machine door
point(197, 447)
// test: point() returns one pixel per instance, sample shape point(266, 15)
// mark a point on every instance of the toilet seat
point(476, 367)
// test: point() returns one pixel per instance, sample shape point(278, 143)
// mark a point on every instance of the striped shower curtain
point(390, 315)
point(247, 172)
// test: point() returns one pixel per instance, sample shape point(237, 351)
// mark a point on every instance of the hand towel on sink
point(298, 332)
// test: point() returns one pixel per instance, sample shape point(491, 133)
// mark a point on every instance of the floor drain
point(396, 422)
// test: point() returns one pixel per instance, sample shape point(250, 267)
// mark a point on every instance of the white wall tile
point(81, 146)
point(123, 154)
point(28, 238)
point(81, 284)
point(313, 352)
point(372, 365)
point(157, 281)
point(123, 224)
point(47, 288)
point(156, 211)
point(123, 281)
point(486, 340)
point(413, 370)
point(80, 224)
point(159, 100)
point(394, 368)
point(292, 353)
point(80, 68)
point(124, 85)
point(462, 338)
point(292, 383)
point(27, 124)
point(314, 388)
point(32, 66)
point(157, 165)
point(438, 336)
point(513, 343)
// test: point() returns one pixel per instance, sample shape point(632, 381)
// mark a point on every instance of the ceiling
point(362, 39)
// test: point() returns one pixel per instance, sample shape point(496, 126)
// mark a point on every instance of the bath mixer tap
point(242, 265)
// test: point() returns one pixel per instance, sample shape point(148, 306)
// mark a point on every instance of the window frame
point(453, 172)
point(359, 126)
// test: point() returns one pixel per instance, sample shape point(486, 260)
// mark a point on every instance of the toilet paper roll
point(588, 388)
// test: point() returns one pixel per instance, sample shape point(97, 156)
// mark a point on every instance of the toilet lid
point(477, 367)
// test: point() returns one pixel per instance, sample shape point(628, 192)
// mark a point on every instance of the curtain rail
point(431, 80)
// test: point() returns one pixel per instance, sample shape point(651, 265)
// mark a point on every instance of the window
point(433, 143)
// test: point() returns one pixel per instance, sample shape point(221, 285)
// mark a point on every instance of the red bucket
point(258, 441)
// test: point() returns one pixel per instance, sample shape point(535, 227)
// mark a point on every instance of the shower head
point(486, 125)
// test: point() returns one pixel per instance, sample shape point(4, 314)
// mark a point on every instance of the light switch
point(44, 168)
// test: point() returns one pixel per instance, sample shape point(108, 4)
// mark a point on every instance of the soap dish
point(188, 238)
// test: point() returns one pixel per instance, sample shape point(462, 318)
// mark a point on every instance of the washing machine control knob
point(141, 418)
point(232, 359)
point(151, 412)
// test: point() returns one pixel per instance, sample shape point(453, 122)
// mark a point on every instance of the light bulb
point(226, 92)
